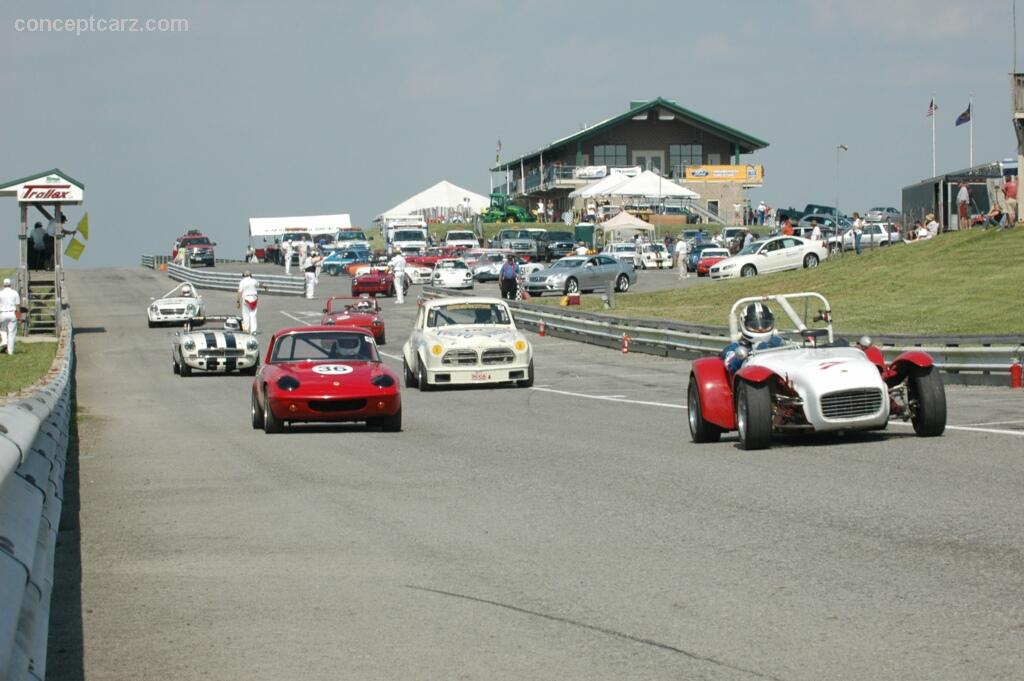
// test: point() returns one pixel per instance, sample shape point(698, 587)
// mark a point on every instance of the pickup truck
point(522, 242)
point(409, 240)
point(555, 245)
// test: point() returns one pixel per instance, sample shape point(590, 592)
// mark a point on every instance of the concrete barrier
point(228, 281)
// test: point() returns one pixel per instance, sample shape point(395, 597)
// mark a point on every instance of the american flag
point(497, 154)
point(932, 108)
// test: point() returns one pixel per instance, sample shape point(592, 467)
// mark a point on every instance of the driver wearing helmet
point(345, 347)
point(757, 332)
point(186, 291)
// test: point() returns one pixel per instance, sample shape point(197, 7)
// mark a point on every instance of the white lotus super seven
point(810, 383)
point(177, 306)
point(466, 340)
point(215, 350)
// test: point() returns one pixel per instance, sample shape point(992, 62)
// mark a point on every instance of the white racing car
point(452, 273)
point(179, 305)
point(655, 256)
point(419, 274)
point(466, 341)
point(808, 382)
point(215, 350)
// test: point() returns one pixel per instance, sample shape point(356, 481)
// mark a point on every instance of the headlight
point(383, 381)
point(153, 308)
point(436, 350)
point(253, 344)
point(190, 309)
point(726, 267)
point(521, 345)
point(287, 383)
point(189, 344)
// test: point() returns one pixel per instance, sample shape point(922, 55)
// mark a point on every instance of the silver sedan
point(575, 274)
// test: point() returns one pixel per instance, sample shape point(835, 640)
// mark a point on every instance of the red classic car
point(710, 257)
point(378, 281)
point(323, 373)
point(430, 257)
point(359, 313)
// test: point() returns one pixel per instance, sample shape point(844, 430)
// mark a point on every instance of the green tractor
point(503, 210)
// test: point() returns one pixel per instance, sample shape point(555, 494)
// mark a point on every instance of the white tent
point(625, 226)
point(442, 199)
point(303, 224)
point(653, 186)
point(601, 187)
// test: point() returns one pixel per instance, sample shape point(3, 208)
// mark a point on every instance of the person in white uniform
point(247, 298)
point(10, 302)
point(286, 252)
point(682, 249)
point(309, 264)
point(397, 265)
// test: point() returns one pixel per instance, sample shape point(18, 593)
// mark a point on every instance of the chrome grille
point(848, 404)
point(221, 352)
point(459, 357)
point(172, 310)
point(498, 356)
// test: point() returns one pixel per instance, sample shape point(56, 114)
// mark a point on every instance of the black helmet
point(758, 323)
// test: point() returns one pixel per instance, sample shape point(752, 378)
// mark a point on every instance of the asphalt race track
point(567, 532)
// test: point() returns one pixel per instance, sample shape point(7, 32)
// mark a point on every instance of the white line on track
point(971, 429)
point(300, 321)
point(609, 398)
point(996, 423)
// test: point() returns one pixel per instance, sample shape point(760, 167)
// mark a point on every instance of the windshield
point(714, 253)
point(451, 265)
point(351, 236)
point(568, 263)
point(655, 248)
point(293, 237)
point(516, 234)
point(752, 248)
point(409, 235)
point(460, 236)
point(320, 346)
point(622, 248)
point(560, 236)
point(196, 241)
point(468, 313)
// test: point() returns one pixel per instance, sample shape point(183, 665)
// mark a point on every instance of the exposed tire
point(700, 430)
point(175, 367)
point(810, 261)
point(928, 400)
point(421, 379)
point(748, 271)
point(571, 285)
point(256, 412)
point(383, 339)
point(184, 370)
point(754, 415)
point(389, 424)
point(622, 283)
point(332, 270)
point(528, 381)
point(410, 377)
point(151, 324)
point(271, 424)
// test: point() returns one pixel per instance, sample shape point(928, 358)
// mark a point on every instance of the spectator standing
point(508, 278)
point(815, 231)
point(1010, 198)
point(581, 249)
point(963, 199)
point(737, 213)
point(748, 238)
point(309, 271)
point(286, 252)
point(300, 248)
point(10, 304)
point(761, 209)
point(682, 250)
point(397, 265)
point(858, 231)
point(37, 255)
point(787, 227)
point(246, 300)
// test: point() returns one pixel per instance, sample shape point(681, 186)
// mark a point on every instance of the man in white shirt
point(286, 253)
point(397, 265)
point(933, 226)
point(815, 231)
point(248, 296)
point(582, 249)
point(682, 249)
point(10, 302)
point(963, 200)
point(309, 265)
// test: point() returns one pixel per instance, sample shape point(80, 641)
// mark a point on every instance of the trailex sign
point(49, 187)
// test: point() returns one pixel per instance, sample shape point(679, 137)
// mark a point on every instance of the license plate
point(480, 376)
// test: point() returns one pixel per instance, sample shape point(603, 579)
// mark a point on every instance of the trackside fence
point(34, 434)
point(965, 360)
point(228, 281)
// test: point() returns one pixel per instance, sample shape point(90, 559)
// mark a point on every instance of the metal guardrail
point(228, 281)
point(969, 360)
point(154, 261)
point(34, 435)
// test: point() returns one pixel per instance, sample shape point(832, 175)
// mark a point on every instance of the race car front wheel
point(748, 271)
point(421, 380)
point(754, 415)
point(927, 402)
point(700, 430)
point(528, 381)
point(271, 424)
point(257, 413)
point(389, 424)
point(410, 377)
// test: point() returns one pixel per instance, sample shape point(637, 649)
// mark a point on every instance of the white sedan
point(625, 252)
point(466, 341)
point(771, 255)
point(177, 306)
point(452, 273)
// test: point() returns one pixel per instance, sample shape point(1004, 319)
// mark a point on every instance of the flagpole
point(970, 107)
point(934, 173)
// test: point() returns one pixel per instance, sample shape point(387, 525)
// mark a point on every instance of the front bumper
point(477, 374)
point(336, 408)
point(544, 287)
point(221, 365)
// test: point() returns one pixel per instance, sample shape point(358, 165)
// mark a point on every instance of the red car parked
point(710, 257)
point(432, 255)
point(358, 313)
point(323, 373)
point(376, 282)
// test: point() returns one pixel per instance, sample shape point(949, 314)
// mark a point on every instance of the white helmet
point(757, 323)
point(231, 324)
point(186, 290)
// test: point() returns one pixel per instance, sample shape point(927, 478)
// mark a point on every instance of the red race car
point(378, 281)
point(323, 373)
point(359, 313)
point(709, 257)
point(432, 255)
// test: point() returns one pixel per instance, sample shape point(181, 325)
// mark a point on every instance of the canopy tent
point(441, 200)
point(625, 226)
point(652, 186)
point(303, 224)
point(617, 177)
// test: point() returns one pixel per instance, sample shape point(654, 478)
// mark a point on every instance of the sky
point(271, 109)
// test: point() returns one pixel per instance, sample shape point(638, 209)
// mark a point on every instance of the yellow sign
point(745, 174)
point(83, 227)
point(74, 249)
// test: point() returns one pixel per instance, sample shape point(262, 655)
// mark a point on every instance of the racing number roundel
point(332, 369)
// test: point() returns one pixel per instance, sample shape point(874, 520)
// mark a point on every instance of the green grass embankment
point(959, 283)
point(28, 364)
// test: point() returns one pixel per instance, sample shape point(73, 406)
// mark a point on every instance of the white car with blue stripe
point(216, 350)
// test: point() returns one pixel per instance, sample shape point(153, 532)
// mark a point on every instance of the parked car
point(709, 257)
point(522, 242)
point(883, 214)
point(361, 313)
point(211, 350)
point(655, 256)
point(460, 239)
point(624, 251)
point(324, 374)
point(452, 273)
point(574, 274)
point(466, 341)
point(198, 249)
point(554, 245)
point(693, 255)
point(771, 255)
point(733, 238)
point(811, 384)
point(338, 261)
point(874, 234)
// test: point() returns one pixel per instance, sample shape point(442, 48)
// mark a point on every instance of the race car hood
point(178, 301)
point(326, 376)
point(471, 335)
point(821, 370)
point(373, 276)
point(213, 339)
point(350, 318)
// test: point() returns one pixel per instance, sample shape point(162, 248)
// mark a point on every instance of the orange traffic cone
point(542, 328)
point(1016, 375)
point(625, 344)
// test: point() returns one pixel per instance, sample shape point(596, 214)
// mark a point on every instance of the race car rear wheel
point(271, 424)
point(622, 283)
point(383, 338)
point(748, 271)
point(410, 377)
point(528, 381)
point(257, 412)
point(927, 401)
point(700, 430)
point(754, 415)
